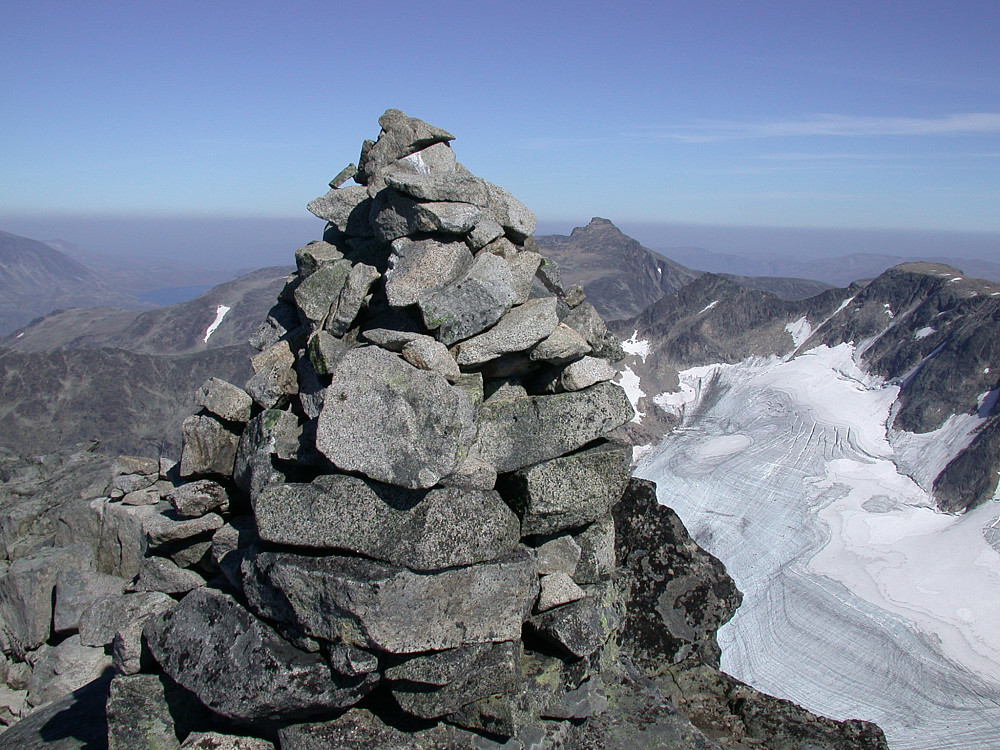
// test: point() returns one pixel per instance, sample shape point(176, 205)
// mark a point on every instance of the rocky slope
point(36, 279)
point(921, 325)
point(408, 529)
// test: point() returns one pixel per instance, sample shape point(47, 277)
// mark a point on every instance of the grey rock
point(128, 653)
point(575, 296)
point(400, 137)
point(559, 555)
point(394, 215)
point(314, 255)
point(392, 340)
point(344, 175)
point(273, 386)
point(216, 741)
point(121, 542)
point(75, 591)
point(61, 669)
point(160, 574)
point(582, 702)
point(597, 551)
point(435, 158)
point(239, 533)
point(439, 186)
point(348, 659)
point(519, 431)
point(224, 400)
point(141, 712)
point(148, 496)
point(474, 303)
point(241, 668)
point(440, 683)
point(472, 472)
point(417, 267)
point(123, 484)
point(311, 389)
point(509, 212)
point(197, 498)
point(427, 354)
point(105, 617)
point(557, 588)
point(325, 350)
point(272, 432)
point(447, 218)
point(13, 703)
point(142, 465)
point(209, 447)
point(523, 267)
point(281, 320)
point(191, 554)
point(423, 531)
point(484, 232)
point(392, 422)
point(352, 296)
point(569, 491)
point(586, 321)
point(280, 351)
point(74, 722)
point(586, 372)
point(585, 625)
point(562, 346)
point(393, 609)
point(26, 594)
point(346, 208)
point(162, 525)
point(320, 290)
point(519, 329)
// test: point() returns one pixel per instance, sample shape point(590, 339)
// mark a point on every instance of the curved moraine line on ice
point(860, 599)
point(220, 313)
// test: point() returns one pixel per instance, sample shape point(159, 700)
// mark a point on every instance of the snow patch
point(924, 332)
point(800, 331)
point(638, 451)
point(19, 335)
point(636, 347)
point(220, 313)
point(888, 310)
point(957, 278)
point(690, 389)
point(630, 382)
point(708, 307)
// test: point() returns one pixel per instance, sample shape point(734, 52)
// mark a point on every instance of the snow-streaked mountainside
point(817, 444)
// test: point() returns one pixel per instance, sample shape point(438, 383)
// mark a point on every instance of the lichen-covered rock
point(519, 329)
point(442, 528)
point(209, 447)
point(569, 491)
point(389, 608)
point(393, 422)
point(224, 400)
point(523, 430)
point(241, 668)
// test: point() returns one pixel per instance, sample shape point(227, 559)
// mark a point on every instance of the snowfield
point(860, 599)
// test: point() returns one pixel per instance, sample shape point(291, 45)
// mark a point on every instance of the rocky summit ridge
point(409, 529)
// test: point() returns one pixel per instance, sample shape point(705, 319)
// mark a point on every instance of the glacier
point(861, 599)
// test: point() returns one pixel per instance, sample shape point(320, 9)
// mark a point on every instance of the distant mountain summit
point(619, 275)
point(35, 279)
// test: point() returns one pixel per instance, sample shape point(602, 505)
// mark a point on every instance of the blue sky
point(798, 114)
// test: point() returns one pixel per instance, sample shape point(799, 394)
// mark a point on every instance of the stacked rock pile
point(422, 448)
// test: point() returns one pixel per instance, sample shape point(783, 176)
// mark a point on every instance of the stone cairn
point(422, 447)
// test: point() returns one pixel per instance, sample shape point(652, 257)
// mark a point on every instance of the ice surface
point(220, 313)
point(924, 332)
point(860, 599)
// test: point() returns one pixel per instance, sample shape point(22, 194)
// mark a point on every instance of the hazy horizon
point(226, 245)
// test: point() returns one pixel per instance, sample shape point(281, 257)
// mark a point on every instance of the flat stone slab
point(241, 668)
point(418, 267)
point(523, 430)
point(569, 491)
point(393, 609)
point(519, 329)
point(422, 531)
point(393, 422)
